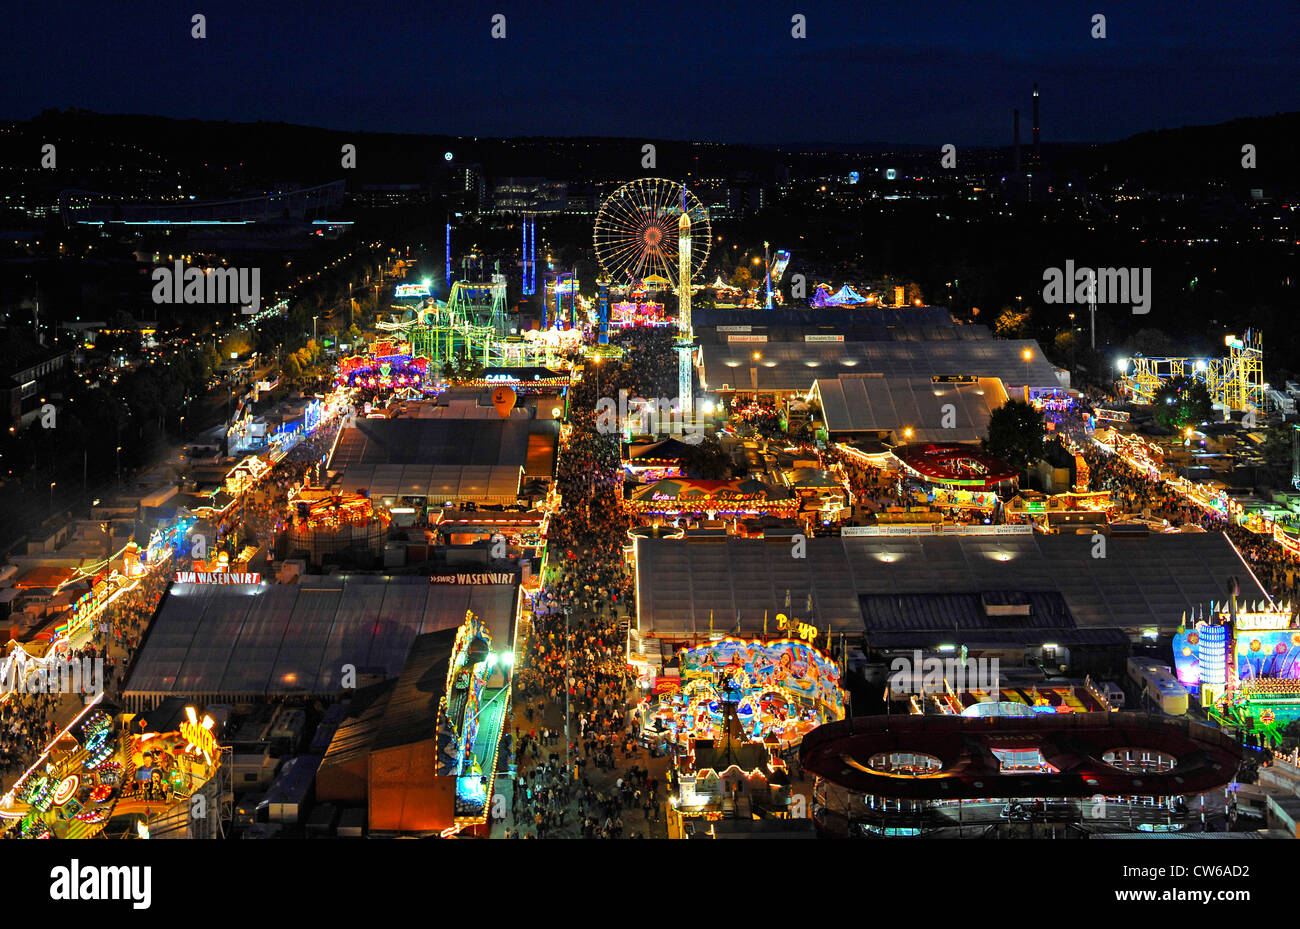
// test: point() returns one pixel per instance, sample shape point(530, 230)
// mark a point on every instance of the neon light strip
point(8, 798)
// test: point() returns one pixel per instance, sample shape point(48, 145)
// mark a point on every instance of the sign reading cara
point(217, 577)
point(499, 577)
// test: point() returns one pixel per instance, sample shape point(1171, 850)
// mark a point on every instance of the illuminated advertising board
point(1268, 653)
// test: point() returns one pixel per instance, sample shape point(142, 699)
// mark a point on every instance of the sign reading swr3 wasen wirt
point(217, 577)
point(496, 577)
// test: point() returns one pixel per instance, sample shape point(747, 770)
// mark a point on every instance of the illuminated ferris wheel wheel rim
point(636, 231)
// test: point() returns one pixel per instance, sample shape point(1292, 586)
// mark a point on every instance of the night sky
point(910, 72)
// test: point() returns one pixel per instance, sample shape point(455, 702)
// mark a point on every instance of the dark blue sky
point(924, 72)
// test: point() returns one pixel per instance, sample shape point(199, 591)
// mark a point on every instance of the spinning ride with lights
point(637, 232)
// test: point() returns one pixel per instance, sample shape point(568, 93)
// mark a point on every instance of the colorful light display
point(382, 371)
point(459, 714)
point(1248, 671)
point(784, 688)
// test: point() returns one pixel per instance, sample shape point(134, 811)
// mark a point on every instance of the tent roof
point(953, 412)
point(286, 639)
point(1145, 581)
point(43, 576)
point(686, 489)
point(668, 449)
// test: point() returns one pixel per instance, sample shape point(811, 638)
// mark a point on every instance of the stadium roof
point(930, 620)
point(526, 442)
point(1073, 744)
point(1143, 582)
point(872, 403)
point(866, 323)
point(227, 642)
point(793, 366)
point(457, 483)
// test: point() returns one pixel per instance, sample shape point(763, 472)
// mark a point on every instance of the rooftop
point(1143, 582)
point(872, 403)
point(266, 639)
point(522, 442)
point(795, 365)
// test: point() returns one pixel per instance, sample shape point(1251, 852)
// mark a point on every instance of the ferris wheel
point(637, 229)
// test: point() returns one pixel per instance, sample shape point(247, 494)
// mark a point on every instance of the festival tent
point(684, 490)
point(956, 465)
point(813, 479)
point(845, 295)
point(669, 449)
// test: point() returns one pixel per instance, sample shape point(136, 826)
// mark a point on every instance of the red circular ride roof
point(1074, 744)
point(965, 465)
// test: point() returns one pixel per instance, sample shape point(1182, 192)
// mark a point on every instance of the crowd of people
point(26, 725)
point(29, 719)
point(1132, 491)
point(575, 651)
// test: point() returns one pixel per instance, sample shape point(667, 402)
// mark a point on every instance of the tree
point(1012, 324)
point(1181, 402)
point(742, 279)
point(461, 368)
point(1276, 447)
point(1067, 346)
point(707, 461)
point(1015, 434)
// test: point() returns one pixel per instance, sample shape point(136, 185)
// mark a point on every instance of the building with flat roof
point(220, 643)
point(786, 368)
point(907, 409)
point(861, 324)
point(517, 443)
point(434, 485)
point(421, 751)
point(687, 588)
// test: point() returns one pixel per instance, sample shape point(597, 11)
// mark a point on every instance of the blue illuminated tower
point(530, 261)
point(447, 259)
point(603, 311)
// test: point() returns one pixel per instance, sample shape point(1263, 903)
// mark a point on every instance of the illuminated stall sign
point(804, 631)
point(218, 577)
point(1264, 653)
point(473, 580)
point(954, 379)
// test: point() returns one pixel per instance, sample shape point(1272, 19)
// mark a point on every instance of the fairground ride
point(1234, 383)
point(472, 323)
point(638, 232)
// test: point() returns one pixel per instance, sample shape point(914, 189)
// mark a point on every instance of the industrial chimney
point(1037, 153)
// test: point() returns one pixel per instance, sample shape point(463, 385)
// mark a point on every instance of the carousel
point(780, 691)
point(92, 776)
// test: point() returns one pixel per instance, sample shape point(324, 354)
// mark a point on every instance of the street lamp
point(51, 498)
point(1026, 355)
point(118, 456)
